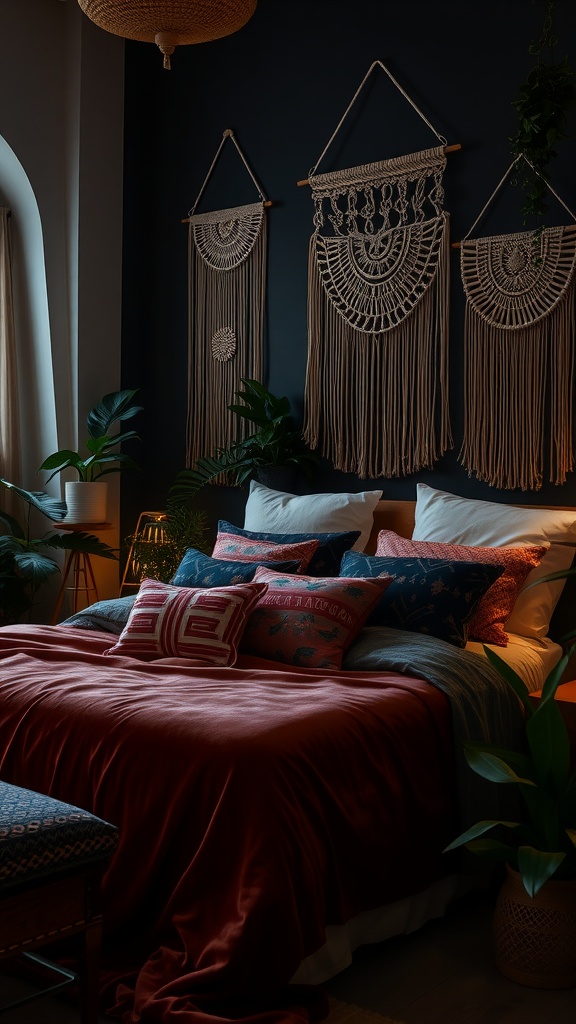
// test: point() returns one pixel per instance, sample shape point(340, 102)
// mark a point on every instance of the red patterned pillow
point(245, 549)
point(187, 622)
point(487, 623)
point(309, 620)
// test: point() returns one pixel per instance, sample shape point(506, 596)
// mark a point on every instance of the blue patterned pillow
point(325, 560)
point(199, 570)
point(427, 595)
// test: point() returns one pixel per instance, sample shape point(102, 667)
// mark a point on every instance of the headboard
point(392, 515)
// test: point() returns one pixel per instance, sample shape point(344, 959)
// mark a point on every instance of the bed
point(273, 816)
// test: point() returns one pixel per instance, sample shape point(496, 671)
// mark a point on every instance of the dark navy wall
point(282, 84)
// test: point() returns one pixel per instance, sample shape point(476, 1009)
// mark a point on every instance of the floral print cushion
point(200, 570)
point(245, 549)
point(308, 621)
point(427, 595)
point(325, 560)
point(492, 611)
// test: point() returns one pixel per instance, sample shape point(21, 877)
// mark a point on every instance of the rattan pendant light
point(170, 23)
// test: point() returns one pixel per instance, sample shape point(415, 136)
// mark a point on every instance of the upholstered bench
point(52, 858)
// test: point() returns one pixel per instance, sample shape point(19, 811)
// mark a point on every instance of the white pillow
point(279, 512)
point(451, 519)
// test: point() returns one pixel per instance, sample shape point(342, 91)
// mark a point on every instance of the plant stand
point(78, 570)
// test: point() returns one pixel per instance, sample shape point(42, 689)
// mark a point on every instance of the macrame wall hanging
point(227, 281)
point(519, 353)
point(376, 399)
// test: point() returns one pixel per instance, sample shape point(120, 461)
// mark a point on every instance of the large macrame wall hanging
point(376, 400)
point(519, 353)
point(227, 282)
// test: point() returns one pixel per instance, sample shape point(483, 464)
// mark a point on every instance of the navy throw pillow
point(325, 560)
point(427, 595)
point(199, 570)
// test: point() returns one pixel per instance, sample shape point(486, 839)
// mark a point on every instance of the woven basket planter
point(535, 937)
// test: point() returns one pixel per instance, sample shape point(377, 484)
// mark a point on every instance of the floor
point(442, 974)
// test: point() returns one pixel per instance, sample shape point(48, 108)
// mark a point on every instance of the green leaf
point(45, 503)
point(511, 677)
point(62, 460)
point(549, 745)
point(493, 767)
point(118, 405)
point(86, 542)
point(537, 867)
point(34, 566)
point(12, 524)
point(478, 830)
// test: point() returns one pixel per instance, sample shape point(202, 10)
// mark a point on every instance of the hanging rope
point(376, 400)
point(519, 335)
point(227, 252)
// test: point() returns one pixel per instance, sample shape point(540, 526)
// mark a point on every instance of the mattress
point(531, 658)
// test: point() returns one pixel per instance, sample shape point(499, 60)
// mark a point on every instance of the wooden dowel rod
point(267, 202)
point(447, 149)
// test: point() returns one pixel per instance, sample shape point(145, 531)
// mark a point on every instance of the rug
point(347, 1013)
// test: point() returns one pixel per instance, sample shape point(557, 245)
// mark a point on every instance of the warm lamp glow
point(169, 23)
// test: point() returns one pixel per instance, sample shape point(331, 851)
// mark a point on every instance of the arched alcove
point(36, 398)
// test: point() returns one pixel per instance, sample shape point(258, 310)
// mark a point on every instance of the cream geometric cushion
point(205, 625)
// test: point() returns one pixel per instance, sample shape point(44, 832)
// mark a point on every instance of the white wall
point(61, 114)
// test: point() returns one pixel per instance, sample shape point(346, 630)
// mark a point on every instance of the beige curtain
point(9, 424)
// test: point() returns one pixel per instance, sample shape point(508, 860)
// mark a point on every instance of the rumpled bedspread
point(255, 805)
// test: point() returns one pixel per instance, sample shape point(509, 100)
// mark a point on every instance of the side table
point(78, 568)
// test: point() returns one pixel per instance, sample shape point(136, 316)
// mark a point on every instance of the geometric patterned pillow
point(308, 620)
point(199, 570)
point(488, 622)
point(325, 560)
point(237, 548)
point(426, 595)
point(181, 622)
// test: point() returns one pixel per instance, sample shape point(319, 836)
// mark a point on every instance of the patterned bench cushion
point(40, 836)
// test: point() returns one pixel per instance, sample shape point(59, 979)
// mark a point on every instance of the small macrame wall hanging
point(227, 280)
point(376, 400)
point(519, 335)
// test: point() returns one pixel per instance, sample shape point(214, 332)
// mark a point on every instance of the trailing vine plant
point(547, 97)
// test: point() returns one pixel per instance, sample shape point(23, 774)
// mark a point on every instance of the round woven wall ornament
point(224, 344)
point(225, 238)
point(513, 281)
point(375, 281)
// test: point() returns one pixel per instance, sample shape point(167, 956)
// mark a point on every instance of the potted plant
point(275, 446)
point(103, 457)
point(24, 565)
point(535, 917)
point(547, 96)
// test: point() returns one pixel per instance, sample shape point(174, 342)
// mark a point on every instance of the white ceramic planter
point(86, 501)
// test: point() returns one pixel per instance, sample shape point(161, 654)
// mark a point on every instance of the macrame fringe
point(226, 330)
point(510, 408)
point(377, 404)
point(376, 400)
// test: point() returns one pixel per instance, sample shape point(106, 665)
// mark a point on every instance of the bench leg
point(90, 973)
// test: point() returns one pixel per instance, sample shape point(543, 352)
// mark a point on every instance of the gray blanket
point(106, 616)
point(484, 707)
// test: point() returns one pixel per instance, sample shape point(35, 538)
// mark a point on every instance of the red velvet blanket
point(255, 806)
